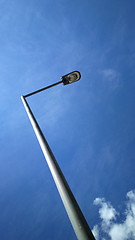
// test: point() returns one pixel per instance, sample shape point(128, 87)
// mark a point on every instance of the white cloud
point(107, 212)
point(114, 230)
point(96, 232)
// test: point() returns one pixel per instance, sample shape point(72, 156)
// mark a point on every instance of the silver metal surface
point(76, 217)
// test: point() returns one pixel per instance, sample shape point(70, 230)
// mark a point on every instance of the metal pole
point(74, 212)
point(42, 89)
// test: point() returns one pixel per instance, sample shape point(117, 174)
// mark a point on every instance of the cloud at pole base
point(109, 226)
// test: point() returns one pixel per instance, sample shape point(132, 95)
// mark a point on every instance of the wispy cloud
point(111, 76)
point(123, 230)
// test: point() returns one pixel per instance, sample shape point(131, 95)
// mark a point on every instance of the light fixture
point(71, 77)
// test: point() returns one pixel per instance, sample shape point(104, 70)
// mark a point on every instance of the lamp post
point(74, 212)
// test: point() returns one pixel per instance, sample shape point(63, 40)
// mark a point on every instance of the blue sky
point(89, 124)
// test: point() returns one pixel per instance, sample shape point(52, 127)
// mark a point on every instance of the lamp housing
point(71, 77)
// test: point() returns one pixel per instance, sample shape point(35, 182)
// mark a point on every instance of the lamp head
point(71, 77)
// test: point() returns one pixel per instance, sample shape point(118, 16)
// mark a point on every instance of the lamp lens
point(72, 77)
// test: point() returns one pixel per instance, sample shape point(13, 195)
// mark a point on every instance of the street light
point(71, 77)
point(74, 212)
